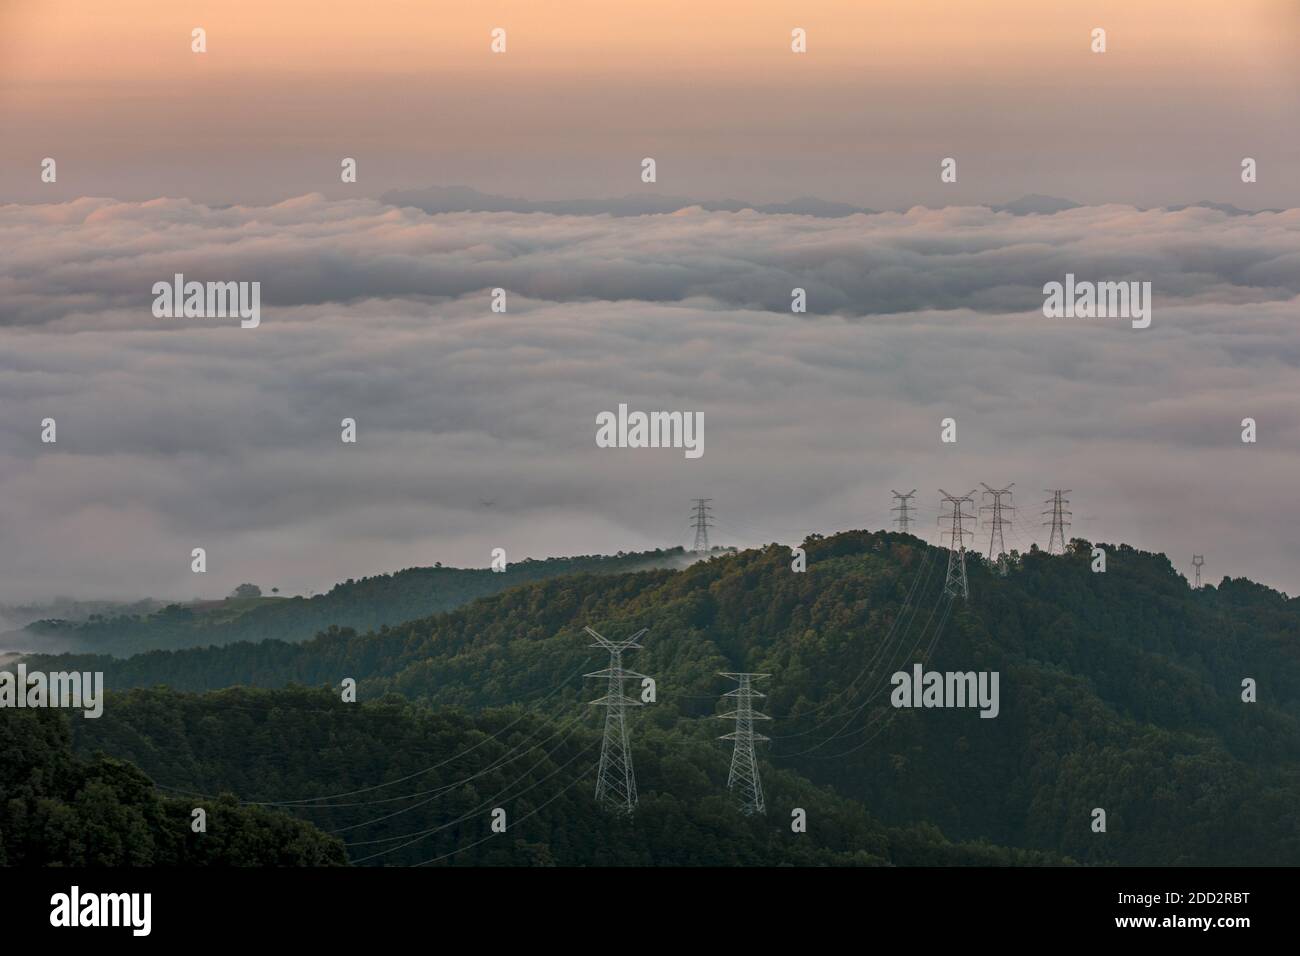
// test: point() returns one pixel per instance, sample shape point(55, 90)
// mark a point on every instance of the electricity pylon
point(904, 510)
point(1197, 561)
point(997, 544)
point(744, 765)
point(615, 781)
point(955, 582)
point(702, 519)
point(1058, 501)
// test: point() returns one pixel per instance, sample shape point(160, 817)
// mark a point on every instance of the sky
point(586, 90)
point(476, 429)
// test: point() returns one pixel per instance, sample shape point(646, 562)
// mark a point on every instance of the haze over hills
point(441, 199)
point(1120, 690)
point(15, 616)
point(370, 602)
point(436, 199)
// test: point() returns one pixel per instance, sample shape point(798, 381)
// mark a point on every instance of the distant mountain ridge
point(367, 603)
point(437, 199)
point(447, 199)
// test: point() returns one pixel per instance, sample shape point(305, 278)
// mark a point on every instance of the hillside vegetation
point(362, 604)
point(1120, 691)
point(449, 770)
point(59, 809)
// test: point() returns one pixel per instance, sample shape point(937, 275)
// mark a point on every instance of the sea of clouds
point(476, 430)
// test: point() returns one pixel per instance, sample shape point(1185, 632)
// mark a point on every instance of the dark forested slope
point(58, 809)
point(449, 770)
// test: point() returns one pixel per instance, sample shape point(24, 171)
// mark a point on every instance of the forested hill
point(402, 785)
point(362, 604)
point(62, 810)
point(1119, 690)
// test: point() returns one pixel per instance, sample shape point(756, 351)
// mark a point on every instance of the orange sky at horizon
point(52, 41)
point(712, 86)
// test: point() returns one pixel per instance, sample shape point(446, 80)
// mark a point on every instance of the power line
point(615, 781)
point(306, 802)
point(537, 809)
point(1058, 501)
point(882, 653)
point(568, 731)
point(945, 601)
point(744, 777)
point(495, 798)
point(955, 583)
point(882, 727)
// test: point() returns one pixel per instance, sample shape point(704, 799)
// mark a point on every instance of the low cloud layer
point(476, 429)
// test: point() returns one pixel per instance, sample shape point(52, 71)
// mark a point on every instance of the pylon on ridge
point(1056, 540)
point(955, 582)
point(904, 509)
point(997, 543)
point(703, 522)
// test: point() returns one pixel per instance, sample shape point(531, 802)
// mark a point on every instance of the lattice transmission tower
point(744, 779)
point(955, 583)
point(615, 781)
point(904, 509)
point(1058, 501)
point(703, 518)
point(996, 522)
